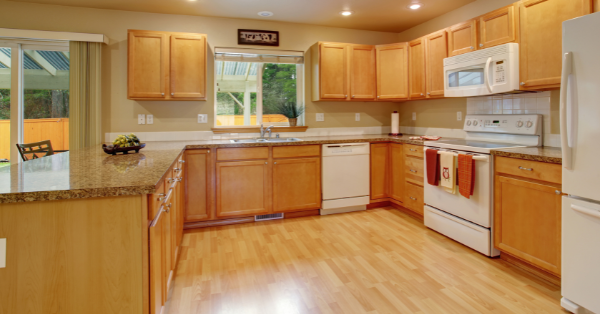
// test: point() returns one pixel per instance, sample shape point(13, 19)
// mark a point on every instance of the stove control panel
point(528, 124)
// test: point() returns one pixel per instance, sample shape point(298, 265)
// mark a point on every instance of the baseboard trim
point(304, 213)
point(530, 269)
point(407, 211)
point(378, 203)
point(214, 223)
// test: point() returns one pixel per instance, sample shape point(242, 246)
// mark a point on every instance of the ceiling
point(375, 15)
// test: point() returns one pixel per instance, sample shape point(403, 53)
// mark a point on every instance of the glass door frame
point(17, 72)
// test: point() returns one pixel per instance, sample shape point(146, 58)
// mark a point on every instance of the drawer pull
point(527, 169)
point(412, 198)
point(412, 150)
point(557, 192)
point(168, 208)
point(412, 170)
point(177, 169)
point(161, 197)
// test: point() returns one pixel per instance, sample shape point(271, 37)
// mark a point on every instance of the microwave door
point(466, 81)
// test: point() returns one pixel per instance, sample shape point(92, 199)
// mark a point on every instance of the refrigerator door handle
point(565, 106)
point(586, 211)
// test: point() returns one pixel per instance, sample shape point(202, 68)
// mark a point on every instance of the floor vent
point(268, 217)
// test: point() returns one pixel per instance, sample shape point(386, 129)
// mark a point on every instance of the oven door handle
point(475, 157)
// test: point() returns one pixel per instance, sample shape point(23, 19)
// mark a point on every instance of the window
point(256, 86)
point(36, 103)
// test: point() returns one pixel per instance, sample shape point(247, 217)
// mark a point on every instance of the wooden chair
point(43, 147)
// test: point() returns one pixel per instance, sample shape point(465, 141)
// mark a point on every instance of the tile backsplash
point(527, 103)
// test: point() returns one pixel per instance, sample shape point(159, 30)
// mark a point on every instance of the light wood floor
point(378, 261)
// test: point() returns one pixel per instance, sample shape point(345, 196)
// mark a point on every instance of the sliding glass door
point(5, 83)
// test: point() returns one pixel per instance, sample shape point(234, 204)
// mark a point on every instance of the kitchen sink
point(267, 140)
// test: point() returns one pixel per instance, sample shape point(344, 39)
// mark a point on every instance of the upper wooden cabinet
point(362, 72)
point(462, 38)
point(541, 39)
point(499, 27)
point(166, 66)
point(436, 45)
point(416, 66)
point(392, 71)
point(343, 72)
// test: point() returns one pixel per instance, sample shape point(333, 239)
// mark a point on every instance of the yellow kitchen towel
point(448, 172)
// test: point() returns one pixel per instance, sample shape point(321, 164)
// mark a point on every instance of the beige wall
point(120, 114)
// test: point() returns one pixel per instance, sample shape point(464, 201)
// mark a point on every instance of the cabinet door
point(167, 247)
point(392, 71)
point(397, 172)
point(527, 221)
point(333, 71)
point(296, 184)
point(362, 72)
point(462, 38)
point(188, 66)
point(156, 263)
point(436, 50)
point(147, 63)
point(243, 188)
point(414, 198)
point(380, 171)
point(197, 182)
point(541, 39)
point(498, 27)
point(416, 64)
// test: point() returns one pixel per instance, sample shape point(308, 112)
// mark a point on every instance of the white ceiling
point(376, 15)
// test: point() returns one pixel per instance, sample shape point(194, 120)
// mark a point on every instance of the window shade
point(259, 56)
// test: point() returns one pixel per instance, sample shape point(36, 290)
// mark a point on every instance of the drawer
point(414, 170)
point(529, 169)
point(413, 198)
point(244, 153)
point(154, 201)
point(297, 151)
point(413, 150)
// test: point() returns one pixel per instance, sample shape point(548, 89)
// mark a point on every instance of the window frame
point(300, 95)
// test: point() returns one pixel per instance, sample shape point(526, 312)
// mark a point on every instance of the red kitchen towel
point(466, 175)
point(433, 166)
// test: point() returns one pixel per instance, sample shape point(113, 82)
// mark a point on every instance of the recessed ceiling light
point(265, 13)
point(415, 6)
point(346, 13)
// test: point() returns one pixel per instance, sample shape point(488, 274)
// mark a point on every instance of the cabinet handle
point(168, 208)
point(170, 180)
point(522, 83)
point(428, 93)
point(353, 96)
point(411, 170)
point(421, 94)
point(345, 96)
point(377, 97)
point(557, 192)
point(266, 163)
point(182, 161)
point(528, 169)
point(172, 94)
point(162, 94)
point(161, 196)
point(177, 169)
point(472, 47)
point(412, 198)
point(275, 163)
point(412, 150)
point(480, 45)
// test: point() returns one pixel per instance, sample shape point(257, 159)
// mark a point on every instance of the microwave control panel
point(499, 72)
point(501, 123)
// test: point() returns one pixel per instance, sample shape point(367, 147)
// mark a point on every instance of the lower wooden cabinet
point(243, 188)
point(197, 185)
point(380, 171)
point(296, 184)
point(397, 172)
point(414, 198)
point(527, 213)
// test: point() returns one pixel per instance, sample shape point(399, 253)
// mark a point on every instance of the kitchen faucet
point(263, 131)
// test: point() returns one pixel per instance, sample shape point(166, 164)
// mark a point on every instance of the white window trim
point(38, 35)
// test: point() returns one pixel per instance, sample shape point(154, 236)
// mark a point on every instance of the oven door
point(478, 208)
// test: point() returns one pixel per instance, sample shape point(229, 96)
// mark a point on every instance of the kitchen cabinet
point(380, 172)
point(462, 38)
point(243, 188)
point(416, 68)
point(397, 172)
point(499, 27)
point(198, 185)
point(343, 72)
point(166, 65)
point(296, 184)
point(527, 213)
point(436, 49)
point(392, 71)
point(414, 178)
point(155, 235)
point(541, 39)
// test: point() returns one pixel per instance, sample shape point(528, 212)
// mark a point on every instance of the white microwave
point(483, 72)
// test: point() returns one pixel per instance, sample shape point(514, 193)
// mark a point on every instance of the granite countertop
point(90, 172)
point(543, 154)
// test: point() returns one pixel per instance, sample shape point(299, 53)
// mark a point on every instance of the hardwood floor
point(376, 261)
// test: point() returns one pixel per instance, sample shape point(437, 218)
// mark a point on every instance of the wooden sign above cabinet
point(166, 65)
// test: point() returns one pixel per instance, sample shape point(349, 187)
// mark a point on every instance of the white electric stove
point(470, 221)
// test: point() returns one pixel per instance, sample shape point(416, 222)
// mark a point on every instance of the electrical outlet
point(320, 117)
point(2, 253)
point(202, 118)
point(141, 119)
point(149, 119)
point(357, 116)
point(459, 116)
point(414, 116)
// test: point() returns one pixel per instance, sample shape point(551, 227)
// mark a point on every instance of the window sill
point(256, 129)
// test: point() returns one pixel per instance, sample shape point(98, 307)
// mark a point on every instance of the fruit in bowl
point(126, 140)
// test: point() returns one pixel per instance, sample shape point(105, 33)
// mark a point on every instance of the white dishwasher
point(345, 177)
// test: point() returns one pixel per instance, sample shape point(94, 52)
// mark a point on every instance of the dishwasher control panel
point(345, 149)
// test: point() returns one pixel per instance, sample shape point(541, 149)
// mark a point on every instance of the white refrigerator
point(580, 139)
